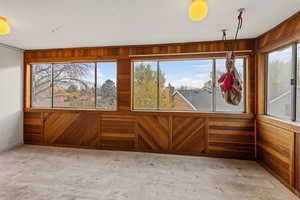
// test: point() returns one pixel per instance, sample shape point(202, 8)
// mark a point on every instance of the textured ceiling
point(39, 24)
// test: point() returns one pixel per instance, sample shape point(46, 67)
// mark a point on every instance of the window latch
point(293, 81)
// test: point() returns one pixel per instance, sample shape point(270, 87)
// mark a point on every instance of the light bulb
point(198, 10)
point(4, 27)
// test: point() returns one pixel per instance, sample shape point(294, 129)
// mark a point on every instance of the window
point(75, 85)
point(283, 85)
point(181, 85)
point(186, 85)
point(221, 104)
point(106, 86)
point(145, 85)
point(41, 92)
point(279, 83)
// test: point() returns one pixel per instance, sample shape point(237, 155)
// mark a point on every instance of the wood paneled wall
point(277, 140)
point(230, 136)
point(124, 129)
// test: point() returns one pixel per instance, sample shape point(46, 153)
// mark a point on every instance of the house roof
point(199, 98)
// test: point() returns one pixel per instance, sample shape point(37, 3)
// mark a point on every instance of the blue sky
point(105, 71)
point(191, 73)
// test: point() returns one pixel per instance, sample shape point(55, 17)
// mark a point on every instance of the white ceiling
point(40, 24)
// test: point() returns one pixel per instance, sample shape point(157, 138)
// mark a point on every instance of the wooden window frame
point(293, 81)
point(213, 59)
point(29, 70)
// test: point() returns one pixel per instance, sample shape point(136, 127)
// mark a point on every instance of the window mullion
point(214, 86)
point(52, 86)
point(158, 73)
point(96, 85)
point(294, 82)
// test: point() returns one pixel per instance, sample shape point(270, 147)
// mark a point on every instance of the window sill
point(66, 109)
point(149, 112)
point(280, 123)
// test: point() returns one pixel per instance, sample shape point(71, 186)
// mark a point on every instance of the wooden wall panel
point(189, 134)
point(275, 150)
point(179, 133)
point(118, 131)
point(33, 127)
point(276, 146)
point(124, 85)
point(153, 133)
point(297, 162)
point(231, 138)
point(72, 128)
point(123, 52)
point(283, 34)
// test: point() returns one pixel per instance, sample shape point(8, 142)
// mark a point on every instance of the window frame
point(293, 81)
point(95, 107)
point(213, 59)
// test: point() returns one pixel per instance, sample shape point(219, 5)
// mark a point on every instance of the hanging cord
point(240, 22)
point(239, 27)
point(224, 38)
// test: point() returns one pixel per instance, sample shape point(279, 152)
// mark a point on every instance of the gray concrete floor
point(46, 173)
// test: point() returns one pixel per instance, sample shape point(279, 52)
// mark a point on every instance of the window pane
point(106, 85)
point(279, 88)
point(298, 82)
point(145, 85)
point(221, 104)
point(185, 85)
point(74, 85)
point(41, 86)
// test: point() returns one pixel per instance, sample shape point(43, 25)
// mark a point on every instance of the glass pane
point(221, 104)
point(74, 85)
point(185, 85)
point(41, 91)
point(298, 82)
point(279, 88)
point(145, 85)
point(106, 85)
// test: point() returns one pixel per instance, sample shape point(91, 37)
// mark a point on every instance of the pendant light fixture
point(198, 10)
point(4, 27)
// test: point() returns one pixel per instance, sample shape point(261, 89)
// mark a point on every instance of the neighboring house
point(200, 99)
point(193, 99)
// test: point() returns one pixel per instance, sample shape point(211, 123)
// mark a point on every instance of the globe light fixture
point(198, 10)
point(4, 27)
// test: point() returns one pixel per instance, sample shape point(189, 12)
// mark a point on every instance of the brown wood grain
point(33, 126)
point(275, 150)
point(71, 128)
point(189, 134)
point(297, 162)
point(277, 140)
point(153, 133)
point(118, 131)
point(286, 32)
point(177, 133)
point(231, 138)
point(123, 52)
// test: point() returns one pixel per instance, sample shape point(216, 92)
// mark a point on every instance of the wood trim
point(286, 32)
point(287, 125)
point(123, 52)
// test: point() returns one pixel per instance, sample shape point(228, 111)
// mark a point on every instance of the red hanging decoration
point(230, 82)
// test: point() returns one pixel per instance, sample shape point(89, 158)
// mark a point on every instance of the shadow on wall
point(10, 129)
point(11, 97)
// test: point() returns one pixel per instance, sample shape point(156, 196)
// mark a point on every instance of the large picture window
point(74, 85)
point(283, 78)
point(181, 85)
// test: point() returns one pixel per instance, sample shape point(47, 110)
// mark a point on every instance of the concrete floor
point(46, 173)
